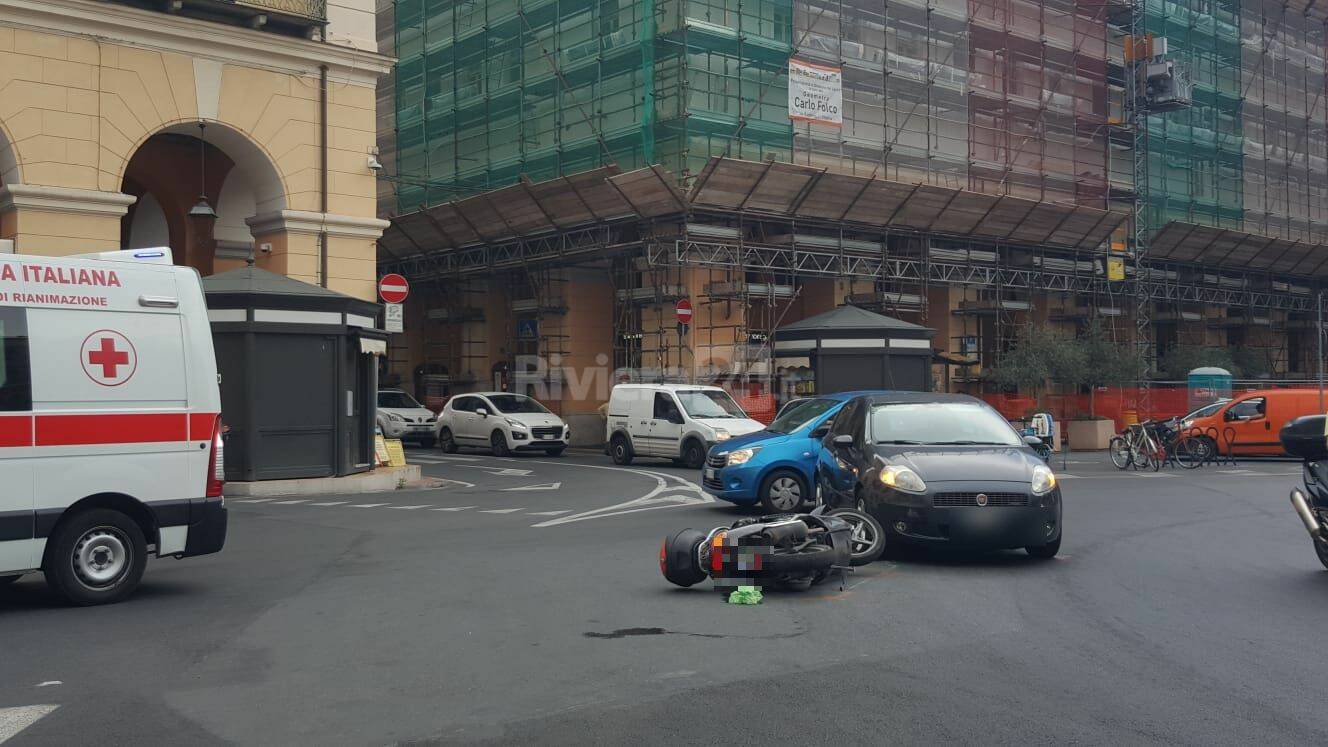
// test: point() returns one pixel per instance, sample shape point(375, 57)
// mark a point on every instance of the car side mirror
point(842, 439)
point(1032, 441)
point(482, 412)
point(820, 433)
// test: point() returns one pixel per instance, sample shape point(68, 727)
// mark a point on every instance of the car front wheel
point(448, 443)
point(783, 492)
point(499, 443)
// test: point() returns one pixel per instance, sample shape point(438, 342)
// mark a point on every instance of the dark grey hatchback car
point(941, 469)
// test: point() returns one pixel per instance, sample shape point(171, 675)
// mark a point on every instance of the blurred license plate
point(547, 438)
point(710, 473)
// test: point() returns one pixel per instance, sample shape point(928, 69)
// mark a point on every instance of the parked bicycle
point(1153, 443)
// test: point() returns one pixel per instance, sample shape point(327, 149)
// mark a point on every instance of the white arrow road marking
point(547, 486)
point(502, 471)
point(549, 513)
point(670, 491)
point(454, 508)
point(502, 511)
point(15, 720)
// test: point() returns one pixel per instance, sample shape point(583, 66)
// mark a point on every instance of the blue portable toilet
point(1207, 385)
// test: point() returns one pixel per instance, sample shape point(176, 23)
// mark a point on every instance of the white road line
point(434, 459)
point(256, 500)
point(15, 720)
point(290, 503)
point(329, 503)
point(453, 508)
point(547, 486)
point(412, 508)
point(1063, 476)
point(549, 513)
point(502, 510)
point(368, 505)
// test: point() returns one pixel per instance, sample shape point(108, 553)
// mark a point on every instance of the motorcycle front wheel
point(1321, 549)
point(867, 541)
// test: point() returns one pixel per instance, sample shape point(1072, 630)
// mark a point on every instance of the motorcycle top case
point(1304, 437)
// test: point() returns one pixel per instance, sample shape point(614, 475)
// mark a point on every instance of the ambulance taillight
point(216, 475)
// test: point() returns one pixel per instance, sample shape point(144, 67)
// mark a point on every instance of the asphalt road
point(523, 604)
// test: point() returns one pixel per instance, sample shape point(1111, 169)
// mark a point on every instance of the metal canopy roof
point(778, 190)
point(793, 191)
point(1206, 245)
point(529, 209)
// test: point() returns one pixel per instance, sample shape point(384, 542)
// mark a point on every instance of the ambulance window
point(15, 379)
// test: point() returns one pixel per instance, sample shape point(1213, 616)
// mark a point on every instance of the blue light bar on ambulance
point(149, 255)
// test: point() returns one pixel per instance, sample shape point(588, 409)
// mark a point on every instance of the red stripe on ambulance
point(121, 428)
point(15, 430)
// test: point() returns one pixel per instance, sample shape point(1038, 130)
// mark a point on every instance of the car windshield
point(799, 414)
point(708, 403)
point(398, 400)
point(516, 404)
point(941, 423)
point(1206, 410)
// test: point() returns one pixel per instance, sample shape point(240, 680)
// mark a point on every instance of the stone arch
point(251, 160)
point(10, 168)
point(239, 180)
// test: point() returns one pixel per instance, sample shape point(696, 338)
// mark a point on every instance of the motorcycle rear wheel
point(1321, 549)
point(678, 558)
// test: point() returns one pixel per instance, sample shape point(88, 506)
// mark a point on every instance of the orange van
point(1250, 422)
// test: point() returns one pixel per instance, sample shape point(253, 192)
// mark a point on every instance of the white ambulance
point(110, 420)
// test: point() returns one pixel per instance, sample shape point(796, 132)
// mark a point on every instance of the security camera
point(374, 164)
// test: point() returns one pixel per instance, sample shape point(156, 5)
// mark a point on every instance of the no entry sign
point(393, 288)
point(684, 311)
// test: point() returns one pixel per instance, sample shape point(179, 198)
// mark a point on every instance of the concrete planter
point(1091, 435)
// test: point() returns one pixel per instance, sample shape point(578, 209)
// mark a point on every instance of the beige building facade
point(117, 120)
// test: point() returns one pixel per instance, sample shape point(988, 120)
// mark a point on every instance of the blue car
point(775, 467)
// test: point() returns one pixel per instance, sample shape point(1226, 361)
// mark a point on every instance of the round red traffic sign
point(684, 311)
point(393, 288)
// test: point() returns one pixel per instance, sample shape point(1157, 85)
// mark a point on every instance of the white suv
point(400, 416)
point(503, 422)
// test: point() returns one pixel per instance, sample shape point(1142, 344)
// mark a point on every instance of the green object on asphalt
point(745, 595)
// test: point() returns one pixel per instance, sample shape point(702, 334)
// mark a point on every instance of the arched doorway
point(9, 174)
point(171, 170)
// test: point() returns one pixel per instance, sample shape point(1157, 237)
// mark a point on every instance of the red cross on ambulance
point(108, 358)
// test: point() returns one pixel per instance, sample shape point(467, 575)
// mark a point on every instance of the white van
point(110, 420)
point(674, 421)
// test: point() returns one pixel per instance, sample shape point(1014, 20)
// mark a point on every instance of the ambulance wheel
point(96, 557)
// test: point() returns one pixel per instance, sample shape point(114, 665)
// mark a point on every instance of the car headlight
point(722, 435)
point(902, 479)
point(742, 456)
point(1043, 480)
point(396, 417)
point(516, 423)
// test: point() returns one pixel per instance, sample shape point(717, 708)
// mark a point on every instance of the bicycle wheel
point(1120, 452)
point(1188, 452)
point(1139, 456)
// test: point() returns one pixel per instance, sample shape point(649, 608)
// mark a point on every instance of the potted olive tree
point(1106, 363)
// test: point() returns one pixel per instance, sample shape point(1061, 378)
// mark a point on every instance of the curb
point(381, 480)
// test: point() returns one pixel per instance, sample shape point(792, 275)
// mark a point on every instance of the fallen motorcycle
point(1304, 437)
point(791, 551)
